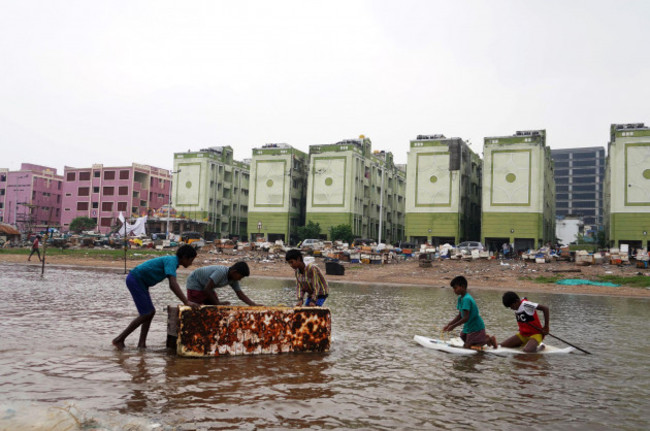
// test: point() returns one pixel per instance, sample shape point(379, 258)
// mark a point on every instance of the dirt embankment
point(481, 274)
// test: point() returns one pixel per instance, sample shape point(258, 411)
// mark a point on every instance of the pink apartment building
point(101, 193)
point(30, 198)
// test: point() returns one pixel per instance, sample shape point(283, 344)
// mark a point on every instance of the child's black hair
point(510, 298)
point(293, 254)
point(459, 281)
point(241, 268)
point(186, 251)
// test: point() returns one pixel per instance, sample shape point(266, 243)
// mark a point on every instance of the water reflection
point(56, 349)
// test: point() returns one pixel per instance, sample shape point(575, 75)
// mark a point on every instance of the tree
point(312, 230)
point(82, 223)
point(342, 232)
point(601, 238)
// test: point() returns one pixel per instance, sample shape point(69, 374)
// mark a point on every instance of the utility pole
point(169, 209)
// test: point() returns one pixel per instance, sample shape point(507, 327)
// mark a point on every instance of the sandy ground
point(481, 274)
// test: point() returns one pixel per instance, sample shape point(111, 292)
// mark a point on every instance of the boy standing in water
point(35, 249)
point(531, 333)
point(309, 280)
point(203, 282)
point(473, 333)
point(148, 274)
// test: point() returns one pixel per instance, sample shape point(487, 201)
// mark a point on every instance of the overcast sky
point(116, 82)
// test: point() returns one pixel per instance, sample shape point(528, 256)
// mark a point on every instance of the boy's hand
point(447, 328)
point(545, 330)
point(194, 305)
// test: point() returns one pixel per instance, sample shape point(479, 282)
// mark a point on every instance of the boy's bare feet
point(493, 342)
point(119, 345)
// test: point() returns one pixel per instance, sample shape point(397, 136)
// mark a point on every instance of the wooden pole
point(124, 222)
point(47, 232)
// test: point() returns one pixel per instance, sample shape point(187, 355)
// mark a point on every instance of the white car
point(311, 243)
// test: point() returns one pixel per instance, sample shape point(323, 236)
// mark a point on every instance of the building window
point(124, 175)
point(585, 171)
point(109, 191)
point(97, 174)
point(84, 176)
point(83, 191)
point(590, 196)
point(95, 189)
point(109, 175)
point(82, 206)
point(95, 205)
point(123, 191)
point(121, 206)
point(107, 206)
point(106, 221)
point(70, 176)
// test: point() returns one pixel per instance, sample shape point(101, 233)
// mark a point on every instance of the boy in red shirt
point(531, 332)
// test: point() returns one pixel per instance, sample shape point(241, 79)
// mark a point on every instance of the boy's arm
point(449, 326)
point(241, 295)
point(462, 317)
point(209, 289)
point(173, 285)
point(546, 312)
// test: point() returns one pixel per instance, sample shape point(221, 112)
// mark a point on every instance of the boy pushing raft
point(148, 274)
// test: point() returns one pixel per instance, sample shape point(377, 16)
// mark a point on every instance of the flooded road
point(58, 369)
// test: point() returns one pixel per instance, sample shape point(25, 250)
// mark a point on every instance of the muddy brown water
point(58, 369)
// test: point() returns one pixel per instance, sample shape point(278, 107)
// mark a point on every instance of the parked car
point(311, 243)
point(468, 246)
point(191, 237)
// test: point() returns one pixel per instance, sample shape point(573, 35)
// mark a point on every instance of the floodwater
point(59, 371)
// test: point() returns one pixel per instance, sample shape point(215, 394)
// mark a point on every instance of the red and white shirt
point(526, 316)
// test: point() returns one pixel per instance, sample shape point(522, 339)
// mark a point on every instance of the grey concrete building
point(579, 182)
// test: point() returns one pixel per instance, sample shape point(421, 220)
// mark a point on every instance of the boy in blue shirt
point(473, 333)
point(148, 274)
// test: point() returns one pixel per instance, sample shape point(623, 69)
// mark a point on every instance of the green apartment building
point(518, 191)
point(443, 191)
point(276, 205)
point(349, 184)
point(210, 186)
point(627, 186)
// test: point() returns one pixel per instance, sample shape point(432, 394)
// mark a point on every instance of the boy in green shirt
point(473, 333)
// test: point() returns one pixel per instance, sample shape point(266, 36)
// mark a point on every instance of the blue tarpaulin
point(577, 281)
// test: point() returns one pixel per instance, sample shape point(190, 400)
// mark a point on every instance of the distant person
point(35, 249)
point(311, 286)
point(531, 332)
point(506, 249)
point(203, 282)
point(148, 274)
point(473, 333)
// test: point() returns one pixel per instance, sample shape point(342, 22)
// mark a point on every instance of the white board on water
point(455, 346)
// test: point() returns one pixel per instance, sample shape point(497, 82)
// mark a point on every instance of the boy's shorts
point(478, 338)
point(197, 296)
point(140, 295)
point(320, 300)
point(536, 337)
